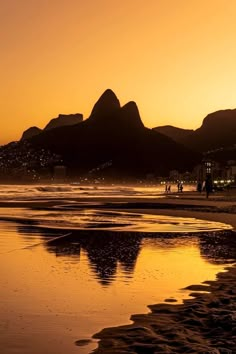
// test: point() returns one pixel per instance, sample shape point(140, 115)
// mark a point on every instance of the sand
point(204, 324)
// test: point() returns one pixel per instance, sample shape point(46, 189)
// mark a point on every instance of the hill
point(64, 120)
point(218, 130)
point(215, 138)
point(113, 141)
point(30, 132)
point(61, 121)
point(177, 134)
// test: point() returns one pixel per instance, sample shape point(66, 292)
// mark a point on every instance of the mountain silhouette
point(114, 141)
point(30, 132)
point(61, 121)
point(218, 131)
point(177, 134)
point(107, 104)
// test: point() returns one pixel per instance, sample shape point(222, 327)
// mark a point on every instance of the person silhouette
point(208, 186)
point(199, 187)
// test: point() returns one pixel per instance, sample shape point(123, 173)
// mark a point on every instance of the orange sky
point(175, 58)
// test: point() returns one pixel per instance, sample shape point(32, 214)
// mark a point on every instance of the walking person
point(199, 186)
point(208, 186)
point(178, 186)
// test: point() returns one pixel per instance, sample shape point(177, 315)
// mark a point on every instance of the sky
point(175, 58)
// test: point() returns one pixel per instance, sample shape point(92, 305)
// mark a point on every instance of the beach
point(202, 323)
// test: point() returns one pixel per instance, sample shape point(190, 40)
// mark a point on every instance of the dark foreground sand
point(204, 324)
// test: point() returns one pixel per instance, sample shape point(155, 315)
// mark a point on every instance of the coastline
point(204, 324)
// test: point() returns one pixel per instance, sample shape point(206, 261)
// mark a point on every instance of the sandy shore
point(204, 324)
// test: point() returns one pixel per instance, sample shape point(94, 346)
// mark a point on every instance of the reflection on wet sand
point(105, 250)
point(218, 247)
point(65, 289)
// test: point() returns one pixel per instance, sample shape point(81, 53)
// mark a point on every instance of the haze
point(175, 58)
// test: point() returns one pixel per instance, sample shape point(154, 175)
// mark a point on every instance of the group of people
point(168, 188)
point(179, 187)
point(201, 186)
point(205, 186)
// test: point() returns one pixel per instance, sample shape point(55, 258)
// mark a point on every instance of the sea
point(71, 264)
point(76, 190)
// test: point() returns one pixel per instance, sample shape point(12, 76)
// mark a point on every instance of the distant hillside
point(216, 136)
point(218, 130)
point(61, 121)
point(177, 134)
point(29, 133)
point(114, 141)
point(222, 155)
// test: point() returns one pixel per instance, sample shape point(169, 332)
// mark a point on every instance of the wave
point(53, 189)
point(70, 191)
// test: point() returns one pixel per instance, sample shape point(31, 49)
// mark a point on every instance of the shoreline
point(204, 324)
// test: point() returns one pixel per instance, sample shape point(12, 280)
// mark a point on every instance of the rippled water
point(99, 219)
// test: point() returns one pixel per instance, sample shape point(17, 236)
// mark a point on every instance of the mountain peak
point(30, 133)
point(131, 114)
point(220, 117)
point(106, 104)
point(64, 120)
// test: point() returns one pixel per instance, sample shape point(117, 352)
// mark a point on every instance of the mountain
point(107, 104)
point(61, 121)
point(29, 133)
point(177, 134)
point(114, 141)
point(218, 130)
point(216, 136)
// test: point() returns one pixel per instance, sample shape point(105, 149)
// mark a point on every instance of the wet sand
point(204, 324)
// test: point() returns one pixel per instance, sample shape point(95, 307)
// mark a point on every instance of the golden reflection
point(58, 292)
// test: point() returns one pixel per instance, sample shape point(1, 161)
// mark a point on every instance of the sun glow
point(176, 59)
